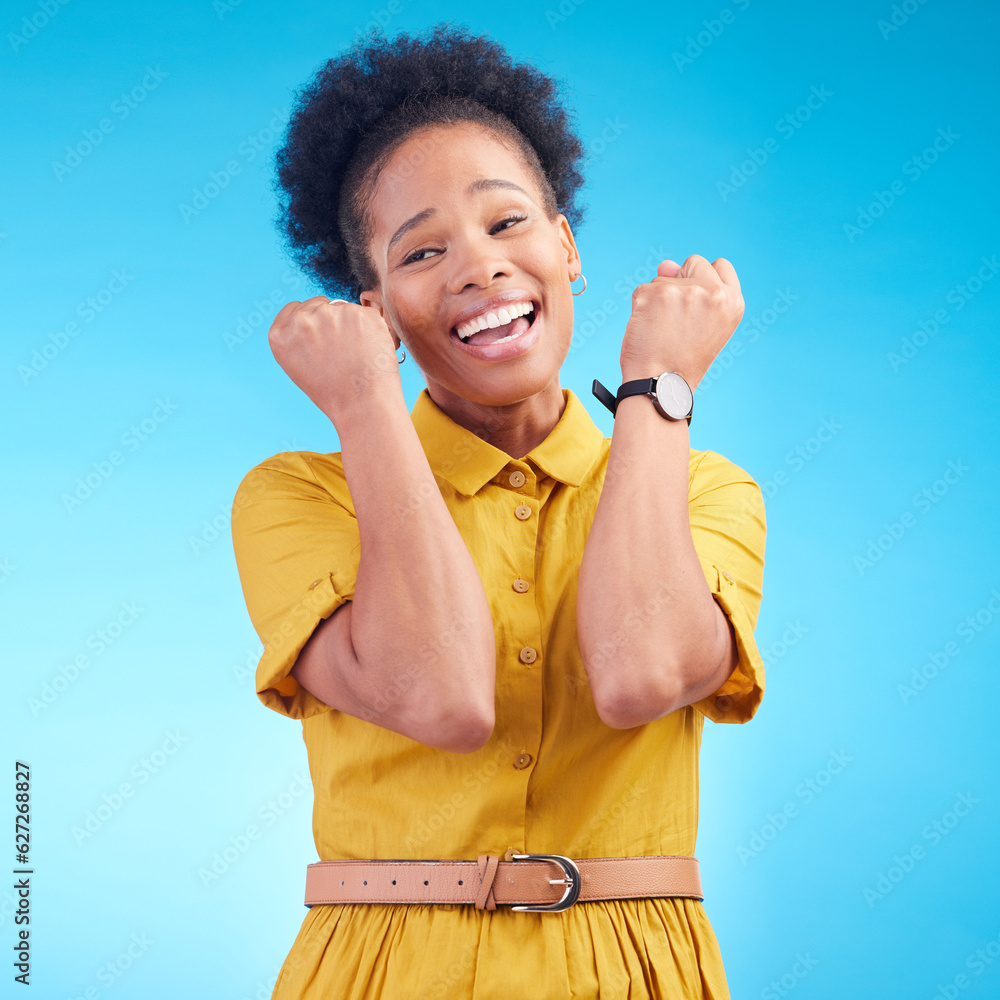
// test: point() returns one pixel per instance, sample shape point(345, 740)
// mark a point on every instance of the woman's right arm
point(415, 650)
point(381, 656)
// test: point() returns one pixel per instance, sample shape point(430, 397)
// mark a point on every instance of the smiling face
point(459, 232)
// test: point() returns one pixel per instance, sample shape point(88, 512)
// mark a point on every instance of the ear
point(573, 263)
point(372, 299)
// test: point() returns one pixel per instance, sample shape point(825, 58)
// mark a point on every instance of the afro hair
point(358, 108)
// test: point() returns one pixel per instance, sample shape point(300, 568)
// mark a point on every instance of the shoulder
point(710, 470)
point(294, 475)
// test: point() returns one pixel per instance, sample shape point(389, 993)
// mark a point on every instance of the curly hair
point(347, 121)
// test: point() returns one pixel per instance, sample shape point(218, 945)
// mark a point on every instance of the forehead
point(436, 165)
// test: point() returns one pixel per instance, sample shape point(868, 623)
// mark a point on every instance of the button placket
point(523, 675)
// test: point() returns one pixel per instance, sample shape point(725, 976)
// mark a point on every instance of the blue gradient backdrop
point(842, 156)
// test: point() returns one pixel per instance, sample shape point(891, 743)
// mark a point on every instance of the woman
point(501, 630)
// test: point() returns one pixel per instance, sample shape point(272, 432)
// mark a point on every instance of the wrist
point(633, 371)
point(647, 414)
point(379, 405)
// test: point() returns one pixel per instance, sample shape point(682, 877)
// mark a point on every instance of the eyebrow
point(483, 184)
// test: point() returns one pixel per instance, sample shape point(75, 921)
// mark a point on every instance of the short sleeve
point(297, 548)
point(728, 527)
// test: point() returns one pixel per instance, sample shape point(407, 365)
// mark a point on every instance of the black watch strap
point(637, 387)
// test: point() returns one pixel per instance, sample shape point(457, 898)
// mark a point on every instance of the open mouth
point(503, 332)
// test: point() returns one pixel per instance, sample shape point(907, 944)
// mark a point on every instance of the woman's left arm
point(652, 637)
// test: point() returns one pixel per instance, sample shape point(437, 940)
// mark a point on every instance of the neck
point(514, 428)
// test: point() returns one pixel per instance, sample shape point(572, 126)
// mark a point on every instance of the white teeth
point(513, 336)
point(492, 320)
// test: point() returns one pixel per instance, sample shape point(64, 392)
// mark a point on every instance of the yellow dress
point(552, 779)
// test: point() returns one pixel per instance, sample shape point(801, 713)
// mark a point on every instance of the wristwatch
point(671, 395)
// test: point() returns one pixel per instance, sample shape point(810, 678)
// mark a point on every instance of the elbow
point(461, 716)
point(456, 718)
point(626, 691)
point(627, 705)
point(465, 741)
point(464, 729)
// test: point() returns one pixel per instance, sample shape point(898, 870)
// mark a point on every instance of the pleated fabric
point(617, 949)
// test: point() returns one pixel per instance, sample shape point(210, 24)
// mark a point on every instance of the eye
point(416, 255)
point(500, 226)
point(510, 218)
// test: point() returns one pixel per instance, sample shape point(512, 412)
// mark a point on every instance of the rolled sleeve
point(297, 551)
point(728, 526)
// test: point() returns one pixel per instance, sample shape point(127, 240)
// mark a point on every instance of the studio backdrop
point(841, 156)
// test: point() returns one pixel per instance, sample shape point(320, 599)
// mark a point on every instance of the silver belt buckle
point(572, 881)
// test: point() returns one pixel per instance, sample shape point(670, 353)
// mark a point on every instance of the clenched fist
point(681, 319)
point(340, 354)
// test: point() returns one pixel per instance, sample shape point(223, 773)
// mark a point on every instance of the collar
point(468, 462)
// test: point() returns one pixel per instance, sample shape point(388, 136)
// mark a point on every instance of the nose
point(476, 262)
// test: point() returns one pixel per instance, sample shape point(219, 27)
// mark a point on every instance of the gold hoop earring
point(582, 290)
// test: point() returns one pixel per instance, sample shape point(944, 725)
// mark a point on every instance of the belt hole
point(425, 881)
point(341, 881)
point(460, 882)
point(393, 881)
point(365, 882)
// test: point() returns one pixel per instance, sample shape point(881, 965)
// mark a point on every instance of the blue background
point(866, 409)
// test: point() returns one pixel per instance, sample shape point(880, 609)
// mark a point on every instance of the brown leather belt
point(548, 882)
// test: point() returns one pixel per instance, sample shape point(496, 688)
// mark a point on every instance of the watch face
point(674, 395)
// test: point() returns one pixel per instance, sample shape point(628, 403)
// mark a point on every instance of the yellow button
point(520, 586)
point(522, 760)
point(523, 511)
point(516, 478)
point(508, 855)
point(528, 655)
point(315, 583)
